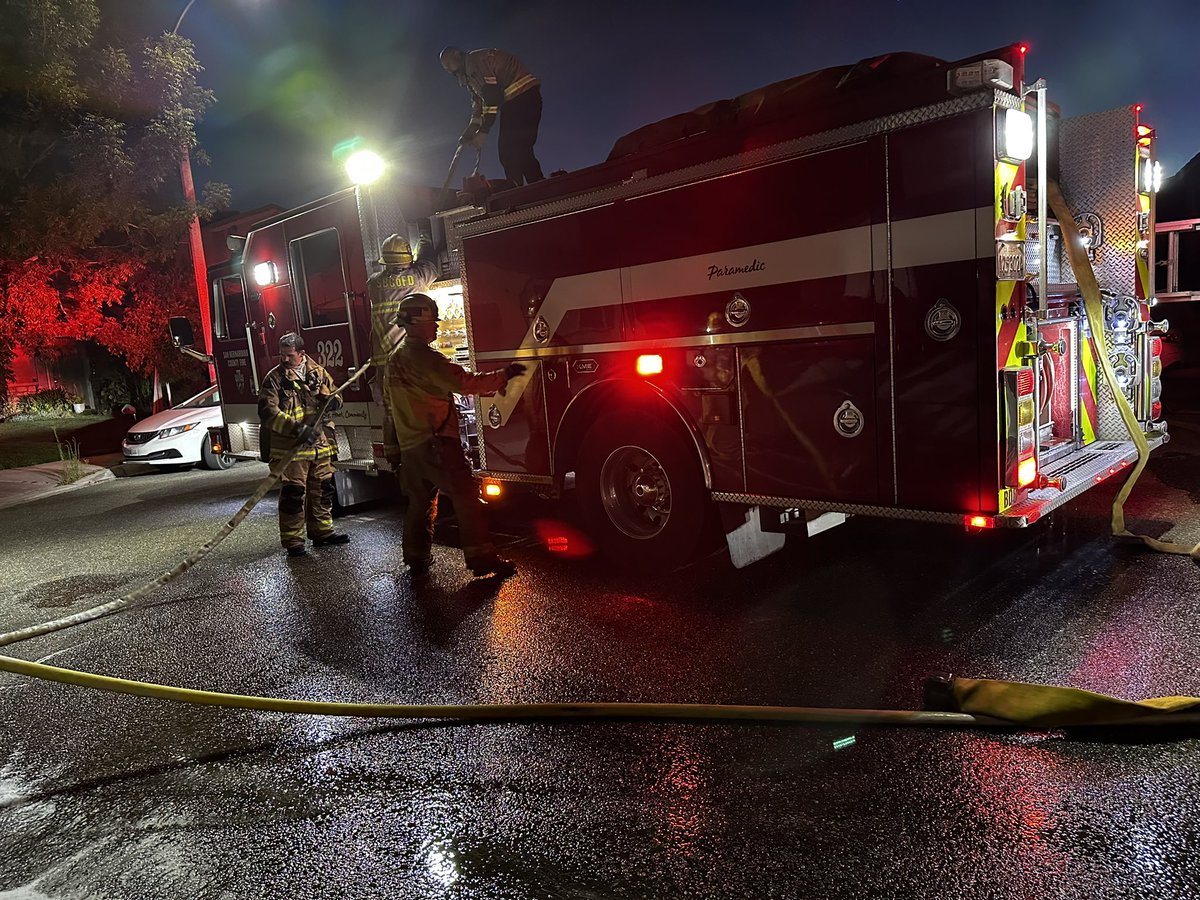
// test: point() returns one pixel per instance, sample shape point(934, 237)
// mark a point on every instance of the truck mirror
point(181, 331)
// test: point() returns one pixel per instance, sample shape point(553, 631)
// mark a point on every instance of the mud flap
point(744, 534)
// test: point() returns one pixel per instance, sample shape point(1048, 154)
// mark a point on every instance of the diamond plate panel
point(886, 512)
point(1079, 471)
point(243, 438)
point(1097, 154)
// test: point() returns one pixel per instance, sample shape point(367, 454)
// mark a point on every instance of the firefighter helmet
point(417, 308)
point(395, 251)
point(452, 60)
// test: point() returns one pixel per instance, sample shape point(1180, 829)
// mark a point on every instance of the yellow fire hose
point(1086, 279)
point(981, 703)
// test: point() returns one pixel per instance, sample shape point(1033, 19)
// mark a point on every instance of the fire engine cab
point(841, 294)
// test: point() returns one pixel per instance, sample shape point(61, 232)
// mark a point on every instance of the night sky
point(294, 78)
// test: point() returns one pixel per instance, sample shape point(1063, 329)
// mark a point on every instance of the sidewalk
point(31, 483)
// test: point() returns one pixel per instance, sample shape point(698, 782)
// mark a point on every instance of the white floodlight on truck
point(364, 167)
point(1015, 135)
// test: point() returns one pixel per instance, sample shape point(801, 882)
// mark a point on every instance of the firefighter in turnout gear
point(403, 273)
point(420, 384)
point(292, 394)
point(500, 85)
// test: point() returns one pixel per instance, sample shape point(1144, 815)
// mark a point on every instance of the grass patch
point(28, 442)
point(68, 455)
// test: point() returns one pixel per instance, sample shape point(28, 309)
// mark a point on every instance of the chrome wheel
point(635, 492)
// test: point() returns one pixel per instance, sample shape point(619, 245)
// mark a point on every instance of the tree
point(91, 135)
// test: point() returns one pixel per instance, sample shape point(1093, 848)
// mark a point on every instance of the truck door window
point(320, 287)
point(229, 308)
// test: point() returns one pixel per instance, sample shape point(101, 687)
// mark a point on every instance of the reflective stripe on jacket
point(285, 402)
point(493, 77)
point(387, 288)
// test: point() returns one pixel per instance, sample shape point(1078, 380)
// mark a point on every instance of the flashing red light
point(1156, 409)
point(1025, 382)
point(1156, 346)
point(558, 543)
point(979, 521)
point(1137, 107)
point(492, 489)
point(1125, 462)
point(1023, 49)
point(649, 364)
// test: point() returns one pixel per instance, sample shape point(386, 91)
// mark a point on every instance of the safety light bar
point(985, 73)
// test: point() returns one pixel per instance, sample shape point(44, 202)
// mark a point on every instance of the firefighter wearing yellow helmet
point(403, 273)
point(420, 384)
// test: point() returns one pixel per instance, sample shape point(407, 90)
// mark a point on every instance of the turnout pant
point(305, 499)
point(438, 465)
point(519, 120)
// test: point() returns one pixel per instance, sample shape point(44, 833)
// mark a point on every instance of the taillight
point(1156, 368)
point(492, 490)
point(979, 521)
point(1026, 472)
point(1020, 414)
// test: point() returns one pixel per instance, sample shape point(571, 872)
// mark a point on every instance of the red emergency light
point(1023, 49)
point(979, 521)
point(649, 364)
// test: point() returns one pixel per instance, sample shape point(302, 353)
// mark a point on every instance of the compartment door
point(808, 412)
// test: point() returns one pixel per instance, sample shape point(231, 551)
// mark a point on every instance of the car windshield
point(207, 397)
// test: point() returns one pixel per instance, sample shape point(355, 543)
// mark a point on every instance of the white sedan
point(179, 436)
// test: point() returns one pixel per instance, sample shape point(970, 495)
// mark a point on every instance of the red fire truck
point(841, 294)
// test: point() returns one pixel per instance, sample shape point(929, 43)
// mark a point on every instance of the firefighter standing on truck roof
point(403, 273)
point(500, 85)
point(419, 386)
point(291, 396)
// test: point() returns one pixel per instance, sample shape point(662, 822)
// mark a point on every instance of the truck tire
point(642, 493)
point(214, 461)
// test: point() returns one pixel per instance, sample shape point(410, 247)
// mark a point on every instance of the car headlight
point(177, 429)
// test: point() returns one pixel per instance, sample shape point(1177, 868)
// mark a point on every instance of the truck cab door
point(328, 311)
point(238, 370)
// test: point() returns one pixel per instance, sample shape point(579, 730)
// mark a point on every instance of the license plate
point(132, 451)
point(1010, 261)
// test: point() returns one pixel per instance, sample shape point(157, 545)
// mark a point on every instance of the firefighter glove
point(307, 434)
point(512, 370)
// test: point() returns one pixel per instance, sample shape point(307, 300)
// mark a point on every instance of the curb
point(96, 476)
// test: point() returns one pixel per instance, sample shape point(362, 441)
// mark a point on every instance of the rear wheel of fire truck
point(216, 461)
point(642, 493)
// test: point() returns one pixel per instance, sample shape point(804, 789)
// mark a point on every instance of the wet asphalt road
point(107, 796)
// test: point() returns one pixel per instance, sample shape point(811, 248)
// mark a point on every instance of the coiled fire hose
point(983, 703)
